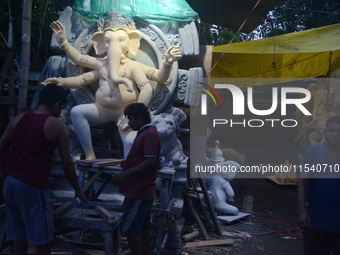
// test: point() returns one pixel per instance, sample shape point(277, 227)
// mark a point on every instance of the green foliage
point(297, 15)
point(293, 16)
point(38, 9)
point(213, 35)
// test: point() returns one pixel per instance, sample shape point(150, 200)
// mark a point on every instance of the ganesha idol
point(121, 80)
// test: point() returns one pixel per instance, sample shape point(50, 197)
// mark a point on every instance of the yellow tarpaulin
point(299, 55)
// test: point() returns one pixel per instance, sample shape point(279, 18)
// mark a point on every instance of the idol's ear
point(98, 43)
point(134, 38)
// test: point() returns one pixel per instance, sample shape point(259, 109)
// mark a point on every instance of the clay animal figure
point(221, 190)
point(121, 80)
point(172, 149)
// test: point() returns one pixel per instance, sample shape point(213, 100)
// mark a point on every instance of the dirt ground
point(274, 214)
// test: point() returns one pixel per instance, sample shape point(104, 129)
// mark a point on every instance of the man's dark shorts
point(136, 216)
point(29, 213)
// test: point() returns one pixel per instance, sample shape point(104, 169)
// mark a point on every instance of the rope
point(234, 37)
point(285, 228)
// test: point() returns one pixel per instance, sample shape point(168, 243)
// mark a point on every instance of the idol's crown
point(115, 21)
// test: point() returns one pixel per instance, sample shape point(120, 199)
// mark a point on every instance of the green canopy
point(174, 10)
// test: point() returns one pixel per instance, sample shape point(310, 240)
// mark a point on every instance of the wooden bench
point(88, 219)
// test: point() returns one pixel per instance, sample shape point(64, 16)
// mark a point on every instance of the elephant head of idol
point(116, 36)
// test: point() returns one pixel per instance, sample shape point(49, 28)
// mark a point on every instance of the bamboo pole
point(25, 54)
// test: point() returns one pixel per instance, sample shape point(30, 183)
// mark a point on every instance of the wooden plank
point(60, 211)
point(61, 253)
point(101, 189)
point(114, 207)
point(64, 231)
point(126, 252)
point(107, 162)
point(108, 243)
point(57, 204)
point(87, 162)
point(91, 181)
point(208, 202)
point(68, 247)
point(234, 234)
point(95, 252)
point(105, 214)
point(197, 218)
point(116, 249)
point(90, 162)
point(206, 243)
point(231, 218)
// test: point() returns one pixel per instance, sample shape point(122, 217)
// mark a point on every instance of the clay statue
point(323, 106)
point(219, 186)
point(121, 80)
point(221, 190)
point(172, 149)
point(323, 109)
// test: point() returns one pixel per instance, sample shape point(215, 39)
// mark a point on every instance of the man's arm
point(5, 142)
point(303, 218)
point(65, 155)
point(308, 158)
point(146, 166)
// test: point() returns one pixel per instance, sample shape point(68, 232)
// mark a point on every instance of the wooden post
point(7, 56)
point(108, 243)
point(105, 214)
point(210, 208)
point(197, 218)
point(60, 211)
point(25, 54)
